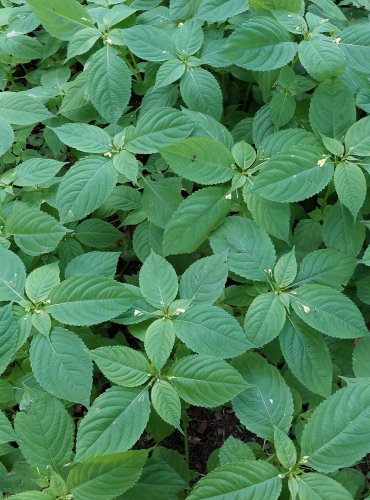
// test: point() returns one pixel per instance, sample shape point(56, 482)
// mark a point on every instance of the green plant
point(183, 189)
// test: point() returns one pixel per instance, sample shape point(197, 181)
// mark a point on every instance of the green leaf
point(194, 219)
point(34, 231)
point(285, 269)
point(210, 330)
point(12, 276)
point(350, 184)
point(355, 43)
point(6, 430)
point(102, 263)
point(114, 422)
point(360, 358)
point(62, 20)
point(199, 159)
point(294, 175)
point(41, 281)
point(36, 171)
point(189, 38)
point(261, 44)
point(251, 252)
point(313, 485)
point(219, 10)
point(285, 449)
point(109, 83)
point(169, 72)
point(150, 43)
point(204, 280)
point(122, 365)
point(104, 478)
point(97, 233)
point(82, 42)
point(201, 92)
point(264, 320)
point(84, 137)
point(233, 451)
point(158, 281)
point(159, 340)
point(328, 311)
point(88, 300)
point(166, 402)
point(8, 336)
point(45, 432)
point(161, 199)
point(86, 186)
point(205, 381)
point(331, 443)
point(322, 57)
point(366, 257)
point(156, 129)
point(332, 109)
point(248, 480)
point(267, 402)
point(307, 356)
point(62, 366)
point(357, 138)
point(147, 237)
point(21, 109)
point(6, 136)
point(244, 154)
point(282, 108)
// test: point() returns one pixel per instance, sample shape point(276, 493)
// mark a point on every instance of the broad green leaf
point(6, 430)
point(150, 43)
point(6, 136)
point(21, 109)
point(61, 19)
point(357, 138)
point(316, 486)
point(282, 108)
point(244, 154)
point(328, 311)
point(41, 321)
point(61, 365)
point(166, 402)
point(156, 129)
point(277, 5)
point(251, 252)
point(332, 109)
point(12, 276)
point(366, 257)
point(199, 159)
point(210, 330)
point(189, 38)
point(41, 281)
point(264, 320)
point(204, 280)
point(285, 269)
point(326, 267)
point(8, 336)
point(336, 435)
point(97, 233)
point(84, 137)
point(355, 43)
point(267, 402)
point(285, 449)
point(82, 41)
point(219, 10)
point(158, 281)
point(102, 263)
point(248, 480)
point(104, 478)
point(34, 231)
point(307, 356)
point(88, 300)
point(36, 171)
point(201, 92)
point(109, 83)
point(285, 140)
point(169, 72)
point(114, 422)
point(159, 340)
point(147, 237)
point(333, 145)
point(360, 358)
point(45, 432)
point(233, 451)
point(261, 44)
point(161, 199)
point(350, 184)
point(207, 126)
point(122, 365)
point(322, 57)
point(86, 186)
point(205, 381)
point(294, 175)
point(194, 219)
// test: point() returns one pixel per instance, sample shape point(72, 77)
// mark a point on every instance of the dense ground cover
point(184, 259)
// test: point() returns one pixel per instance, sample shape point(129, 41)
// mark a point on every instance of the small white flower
point(180, 25)
point(337, 41)
point(109, 41)
point(306, 309)
point(180, 310)
point(321, 162)
point(228, 196)
point(108, 154)
point(137, 313)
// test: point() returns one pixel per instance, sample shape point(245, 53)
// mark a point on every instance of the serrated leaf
point(36, 171)
point(104, 478)
point(199, 159)
point(282, 108)
point(194, 219)
point(357, 140)
point(7, 136)
point(251, 252)
point(285, 449)
point(205, 381)
point(233, 451)
point(88, 300)
point(328, 311)
point(251, 479)
point(86, 186)
point(355, 43)
point(62, 366)
point(45, 432)
point(114, 422)
point(102, 263)
point(8, 336)
point(169, 72)
point(219, 10)
point(161, 199)
point(189, 38)
point(210, 330)
point(331, 443)
point(201, 92)
point(21, 109)
point(41, 281)
point(6, 430)
point(12, 276)
point(267, 402)
point(84, 137)
point(350, 184)
point(159, 340)
point(166, 402)
point(285, 269)
point(150, 43)
point(322, 57)
point(122, 365)
point(158, 281)
point(360, 358)
point(147, 237)
point(318, 486)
